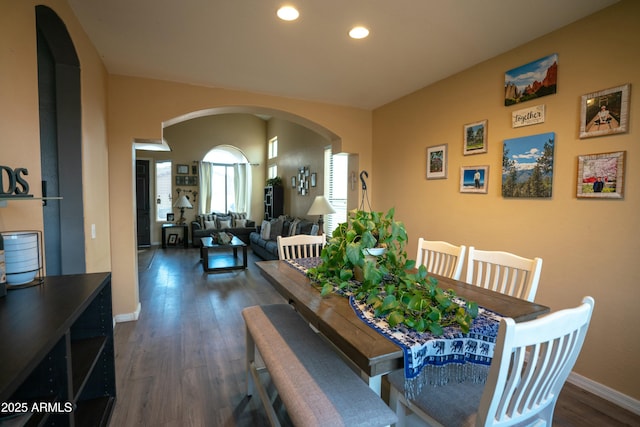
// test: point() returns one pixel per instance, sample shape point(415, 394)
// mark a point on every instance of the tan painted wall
point(298, 147)
point(589, 247)
point(19, 123)
point(137, 109)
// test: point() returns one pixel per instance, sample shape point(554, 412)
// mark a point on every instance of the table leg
point(204, 255)
point(244, 257)
point(375, 382)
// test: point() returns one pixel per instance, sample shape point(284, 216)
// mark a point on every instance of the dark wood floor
point(182, 362)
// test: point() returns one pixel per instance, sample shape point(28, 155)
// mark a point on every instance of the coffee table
point(216, 258)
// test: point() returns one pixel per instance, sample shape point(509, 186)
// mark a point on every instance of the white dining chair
point(441, 258)
point(504, 272)
point(520, 389)
point(300, 246)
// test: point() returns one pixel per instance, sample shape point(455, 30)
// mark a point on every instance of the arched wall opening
point(193, 147)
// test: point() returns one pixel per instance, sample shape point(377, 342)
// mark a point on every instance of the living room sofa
point(264, 241)
point(234, 223)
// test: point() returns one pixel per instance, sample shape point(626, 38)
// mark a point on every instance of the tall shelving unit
point(58, 352)
point(273, 201)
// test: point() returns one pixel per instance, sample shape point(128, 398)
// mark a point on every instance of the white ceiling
point(241, 44)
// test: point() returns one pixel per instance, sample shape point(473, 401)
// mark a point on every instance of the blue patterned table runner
point(466, 356)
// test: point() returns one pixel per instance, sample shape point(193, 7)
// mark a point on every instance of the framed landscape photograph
point(531, 81)
point(474, 179)
point(605, 112)
point(437, 162)
point(475, 138)
point(527, 166)
point(182, 169)
point(601, 176)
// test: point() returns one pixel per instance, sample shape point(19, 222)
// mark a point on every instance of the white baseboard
point(128, 317)
point(606, 393)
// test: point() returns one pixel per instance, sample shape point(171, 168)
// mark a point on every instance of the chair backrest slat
point(531, 363)
point(300, 246)
point(504, 272)
point(441, 258)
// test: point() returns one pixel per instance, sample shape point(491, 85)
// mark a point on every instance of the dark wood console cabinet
point(56, 352)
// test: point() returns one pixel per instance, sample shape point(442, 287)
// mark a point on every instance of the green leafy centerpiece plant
point(387, 281)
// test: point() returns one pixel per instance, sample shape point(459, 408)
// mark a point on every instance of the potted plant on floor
point(386, 278)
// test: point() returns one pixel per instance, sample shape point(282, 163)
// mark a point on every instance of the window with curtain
point(225, 181)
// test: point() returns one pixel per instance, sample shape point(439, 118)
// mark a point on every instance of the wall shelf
point(4, 200)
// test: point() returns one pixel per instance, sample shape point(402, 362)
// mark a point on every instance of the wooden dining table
point(368, 350)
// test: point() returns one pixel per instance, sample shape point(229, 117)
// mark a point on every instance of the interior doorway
point(143, 206)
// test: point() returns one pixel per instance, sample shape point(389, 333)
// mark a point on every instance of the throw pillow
point(238, 215)
point(265, 230)
point(314, 230)
point(240, 223)
point(293, 227)
point(209, 224)
point(225, 224)
point(220, 218)
point(276, 229)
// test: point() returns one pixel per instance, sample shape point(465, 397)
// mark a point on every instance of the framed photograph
point(527, 166)
point(601, 176)
point(605, 112)
point(182, 169)
point(314, 177)
point(172, 240)
point(531, 81)
point(475, 138)
point(437, 161)
point(170, 217)
point(293, 182)
point(474, 179)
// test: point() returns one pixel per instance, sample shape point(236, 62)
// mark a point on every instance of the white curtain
point(242, 184)
point(205, 188)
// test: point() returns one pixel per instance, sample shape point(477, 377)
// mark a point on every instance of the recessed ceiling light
point(358, 32)
point(288, 13)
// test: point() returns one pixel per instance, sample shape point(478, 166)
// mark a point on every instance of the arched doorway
point(60, 145)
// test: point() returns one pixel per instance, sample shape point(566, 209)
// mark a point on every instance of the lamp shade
point(182, 202)
point(321, 206)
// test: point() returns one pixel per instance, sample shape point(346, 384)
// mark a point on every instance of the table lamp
point(182, 203)
point(320, 206)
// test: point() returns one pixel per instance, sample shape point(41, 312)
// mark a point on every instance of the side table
point(185, 233)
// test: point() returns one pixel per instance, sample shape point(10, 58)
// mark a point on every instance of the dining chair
point(520, 389)
point(441, 258)
point(300, 246)
point(504, 272)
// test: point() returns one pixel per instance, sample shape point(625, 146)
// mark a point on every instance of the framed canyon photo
point(531, 81)
point(605, 112)
point(527, 166)
point(601, 176)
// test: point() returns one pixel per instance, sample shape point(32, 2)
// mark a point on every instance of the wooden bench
point(315, 384)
